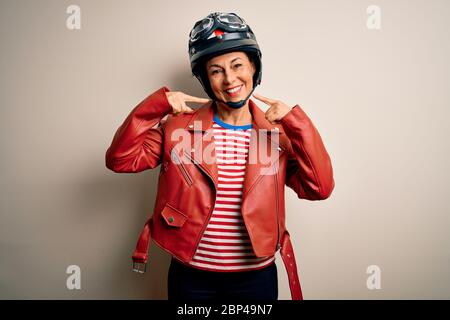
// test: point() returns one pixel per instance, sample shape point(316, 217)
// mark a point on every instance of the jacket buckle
point(140, 267)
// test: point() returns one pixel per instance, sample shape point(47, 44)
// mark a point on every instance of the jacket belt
point(287, 254)
point(140, 258)
point(140, 255)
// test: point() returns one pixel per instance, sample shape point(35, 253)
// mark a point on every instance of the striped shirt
point(225, 244)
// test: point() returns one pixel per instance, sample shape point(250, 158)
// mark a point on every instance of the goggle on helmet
point(225, 21)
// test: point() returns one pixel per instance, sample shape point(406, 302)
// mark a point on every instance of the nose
point(230, 76)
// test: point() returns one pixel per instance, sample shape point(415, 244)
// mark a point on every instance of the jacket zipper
point(183, 170)
point(212, 209)
point(278, 222)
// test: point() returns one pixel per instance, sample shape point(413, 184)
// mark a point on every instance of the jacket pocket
point(179, 163)
point(173, 217)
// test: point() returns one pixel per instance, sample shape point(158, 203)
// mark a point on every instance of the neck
point(235, 117)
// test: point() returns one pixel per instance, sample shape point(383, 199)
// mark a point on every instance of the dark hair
point(250, 56)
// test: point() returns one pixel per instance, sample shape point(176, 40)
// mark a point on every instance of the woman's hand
point(277, 110)
point(178, 101)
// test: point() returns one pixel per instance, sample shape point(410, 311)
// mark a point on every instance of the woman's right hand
point(178, 99)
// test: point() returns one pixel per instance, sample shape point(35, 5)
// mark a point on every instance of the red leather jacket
point(187, 184)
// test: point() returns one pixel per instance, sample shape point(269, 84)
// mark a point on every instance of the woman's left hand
point(277, 110)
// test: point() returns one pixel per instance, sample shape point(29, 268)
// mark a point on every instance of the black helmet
point(217, 34)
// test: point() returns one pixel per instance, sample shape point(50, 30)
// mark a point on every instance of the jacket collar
point(206, 113)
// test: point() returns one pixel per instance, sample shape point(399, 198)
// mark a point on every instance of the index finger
point(195, 99)
point(263, 99)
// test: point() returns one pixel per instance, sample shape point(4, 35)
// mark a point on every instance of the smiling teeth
point(234, 90)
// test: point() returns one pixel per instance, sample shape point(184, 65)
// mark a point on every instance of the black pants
point(187, 284)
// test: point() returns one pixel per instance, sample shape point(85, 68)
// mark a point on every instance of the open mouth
point(233, 92)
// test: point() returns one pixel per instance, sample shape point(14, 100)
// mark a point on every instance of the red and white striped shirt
point(225, 245)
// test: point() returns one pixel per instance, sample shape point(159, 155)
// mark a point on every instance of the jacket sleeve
point(138, 143)
point(309, 170)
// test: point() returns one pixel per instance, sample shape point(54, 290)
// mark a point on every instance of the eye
point(238, 65)
point(214, 71)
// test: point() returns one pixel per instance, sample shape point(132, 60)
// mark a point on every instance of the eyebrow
point(216, 65)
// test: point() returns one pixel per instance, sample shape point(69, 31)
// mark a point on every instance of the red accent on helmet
point(218, 32)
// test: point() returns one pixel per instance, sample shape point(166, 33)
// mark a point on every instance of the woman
point(219, 208)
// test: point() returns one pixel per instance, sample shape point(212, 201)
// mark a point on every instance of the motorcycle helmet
point(217, 34)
